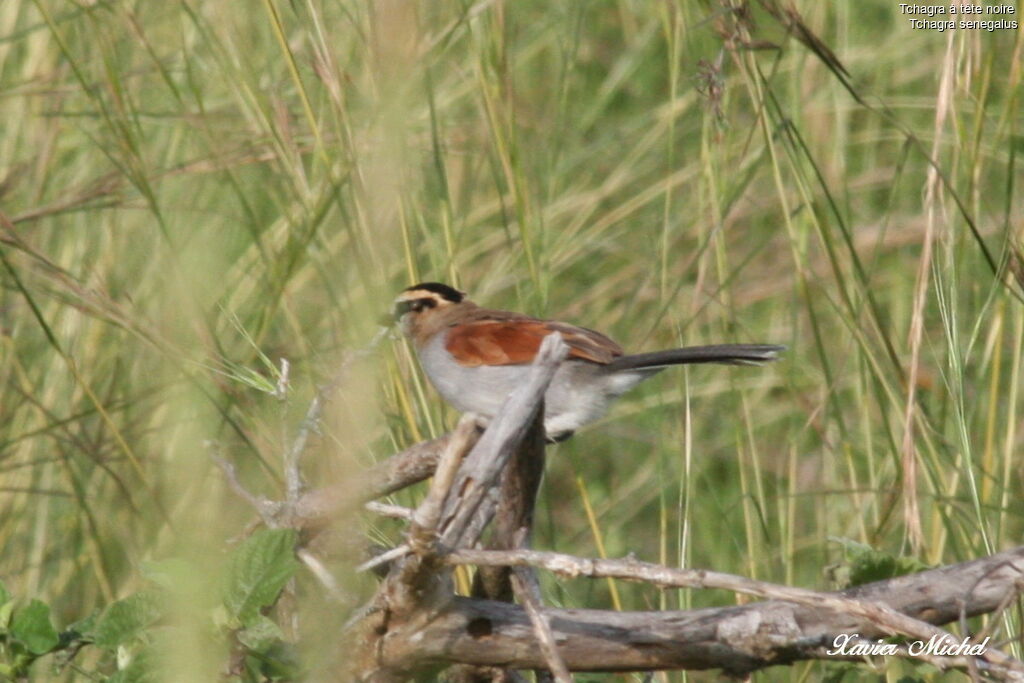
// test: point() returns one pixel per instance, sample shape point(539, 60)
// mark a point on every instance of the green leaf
point(82, 627)
point(4, 595)
point(6, 610)
point(865, 564)
point(257, 572)
point(139, 670)
point(260, 634)
point(31, 625)
point(128, 618)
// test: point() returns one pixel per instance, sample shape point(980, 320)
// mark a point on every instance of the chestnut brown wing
point(515, 342)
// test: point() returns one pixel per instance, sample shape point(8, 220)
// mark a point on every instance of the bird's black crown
point(447, 293)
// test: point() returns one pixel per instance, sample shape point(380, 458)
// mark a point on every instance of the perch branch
point(883, 616)
point(736, 639)
point(411, 466)
point(501, 439)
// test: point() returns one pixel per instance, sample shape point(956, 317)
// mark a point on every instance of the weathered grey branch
point(513, 520)
point(411, 466)
point(501, 439)
point(735, 639)
point(516, 497)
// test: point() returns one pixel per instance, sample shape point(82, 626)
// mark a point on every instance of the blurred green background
point(192, 191)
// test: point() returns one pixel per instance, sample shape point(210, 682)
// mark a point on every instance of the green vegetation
point(192, 191)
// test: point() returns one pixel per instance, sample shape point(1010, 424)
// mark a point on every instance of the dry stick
point(411, 466)
point(323, 575)
point(389, 510)
point(513, 517)
point(736, 639)
point(541, 627)
point(881, 615)
point(517, 497)
point(427, 517)
point(527, 591)
point(499, 442)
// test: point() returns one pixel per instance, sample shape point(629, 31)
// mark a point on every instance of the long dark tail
point(728, 354)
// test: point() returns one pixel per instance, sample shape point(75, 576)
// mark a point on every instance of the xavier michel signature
point(851, 644)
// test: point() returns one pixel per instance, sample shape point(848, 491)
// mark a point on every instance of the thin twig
point(311, 421)
point(322, 575)
point(268, 510)
point(384, 558)
point(389, 510)
point(428, 514)
point(541, 626)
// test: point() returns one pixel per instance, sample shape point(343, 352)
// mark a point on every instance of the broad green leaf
point(6, 607)
point(257, 572)
point(260, 634)
point(6, 610)
point(127, 619)
point(31, 625)
point(83, 627)
point(139, 670)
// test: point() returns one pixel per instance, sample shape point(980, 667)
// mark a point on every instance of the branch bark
point(736, 639)
point(520, 482)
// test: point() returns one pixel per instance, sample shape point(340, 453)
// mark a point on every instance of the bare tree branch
point(735, 639)
point(503, 436)
point(411, 466)
point(517, 497)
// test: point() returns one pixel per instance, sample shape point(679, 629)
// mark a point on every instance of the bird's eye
point(423, 304)
point(416, 306)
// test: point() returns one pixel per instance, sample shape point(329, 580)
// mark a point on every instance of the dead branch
point(421, 625)
point(513, 519)
point(736, 639)
point(411, 466)
point(495, 448)
point(527, 592)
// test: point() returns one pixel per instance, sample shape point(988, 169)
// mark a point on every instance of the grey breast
point(480, 389)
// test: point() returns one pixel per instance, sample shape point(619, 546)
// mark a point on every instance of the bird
point(475, 357)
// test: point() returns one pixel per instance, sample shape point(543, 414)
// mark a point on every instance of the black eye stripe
point(415, 305)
